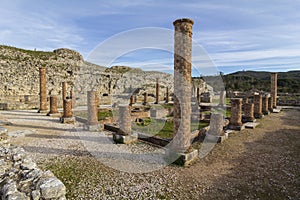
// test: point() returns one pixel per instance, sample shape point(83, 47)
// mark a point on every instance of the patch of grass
point(163, 129)
point(166, 106)
point(104, 114)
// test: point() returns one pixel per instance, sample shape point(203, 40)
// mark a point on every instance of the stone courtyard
point(263, 162)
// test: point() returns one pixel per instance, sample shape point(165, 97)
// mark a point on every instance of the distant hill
point(288, 82)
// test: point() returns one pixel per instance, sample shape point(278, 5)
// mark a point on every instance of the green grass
point(104, 114)
point(162, 129)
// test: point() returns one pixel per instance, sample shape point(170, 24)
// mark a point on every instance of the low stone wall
point(21, 179)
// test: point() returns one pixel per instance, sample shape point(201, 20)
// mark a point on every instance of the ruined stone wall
point(19, 76)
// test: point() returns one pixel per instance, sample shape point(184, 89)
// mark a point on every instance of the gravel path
point(263, 163)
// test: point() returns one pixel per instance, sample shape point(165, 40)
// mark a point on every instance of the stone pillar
point(167, 95)
point(270, 103)
point(265, 104)
point(182, 84)
point(257, 106)
point(92, 108)
point(64, 90)
point(236, 114)
point(145, 98)
point(131, 100)
point(249, 113)
point(222, 98)
point(68, 114)
point(124, 120)
point(216, 124)
point(274, 89)
point(73, 97)
point(198, 95)
point(157, 92)
point(43, 90)
point(53, 106)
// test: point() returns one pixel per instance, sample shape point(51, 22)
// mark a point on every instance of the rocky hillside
point(20, 77)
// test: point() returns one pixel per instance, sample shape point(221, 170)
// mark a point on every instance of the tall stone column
point(92, 108)
point(73, 97)
point(270, 103)
point(145, 98)
point(274, 89)
point(236, 114)
point(257, 106)
point(249, 113)
point(43, 90)
point(64, 90)
point(167, 95)
point(53, 106)
point(222, 98)
point(157, 91)
point(198, 95)
point(265, 108)
point(182, 84)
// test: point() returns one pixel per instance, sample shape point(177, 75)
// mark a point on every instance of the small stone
point(35, 195)
point(17, 196)
point(28, 164)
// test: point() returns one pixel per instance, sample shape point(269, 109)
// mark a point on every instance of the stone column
point(43, 90)
point(222, 98)
point(73, 97)
point(270, 103)
point(198, 95)
point(274, 89)
point(182, 84)
point(53, 106)
point(257, 106)
point(249, 113)
point(216, 124)
point(131, 100)
point(64, 90)
point(265, 104)
point(145, 98)
point(68, 114)
point(236, 114)
point(92, 108)
point(167, 95)
point(157, 92)
point(124, 120)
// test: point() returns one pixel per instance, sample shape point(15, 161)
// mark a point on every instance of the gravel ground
point(263, 163)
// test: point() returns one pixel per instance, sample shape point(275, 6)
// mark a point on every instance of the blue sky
point(236, 34)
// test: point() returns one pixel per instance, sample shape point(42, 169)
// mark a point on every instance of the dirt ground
point(263, 163)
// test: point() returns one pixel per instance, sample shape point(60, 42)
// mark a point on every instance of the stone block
point(125, 139)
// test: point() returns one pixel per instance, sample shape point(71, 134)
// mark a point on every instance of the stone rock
point(51, 188)
point(35, 195)
point(17, 196)
point(28, 164)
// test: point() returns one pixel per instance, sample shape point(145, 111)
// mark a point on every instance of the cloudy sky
point(234, 34)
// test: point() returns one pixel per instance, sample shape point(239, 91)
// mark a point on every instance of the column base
point(95, 127)
point(258, 116)
point(54, 114)
point(43, 111)
point(266, 112)
point(251, 125)
point(67, 120)
point(182, 159)
point(276, 110)
point(216, 138)
point(236, 128)
point(244, 120)
point(125, 139)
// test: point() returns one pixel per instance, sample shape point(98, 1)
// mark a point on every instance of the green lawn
point(162, 129)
